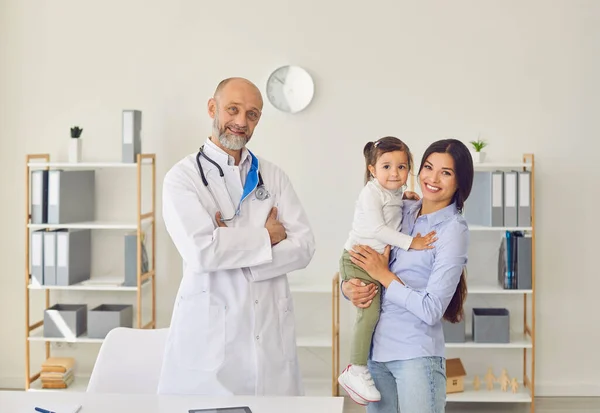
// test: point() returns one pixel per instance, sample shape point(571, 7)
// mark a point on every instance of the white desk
point(24, 402)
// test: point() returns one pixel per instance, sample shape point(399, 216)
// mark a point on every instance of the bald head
point(247, 86)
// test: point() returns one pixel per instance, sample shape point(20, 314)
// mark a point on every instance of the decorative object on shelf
point(290, 89)
point(514, 384)
point(57, 372)
point(476, 383)
point(455, 373)
point(75, 145)
point(477, 154)
point(504, 380)
point(490, 379)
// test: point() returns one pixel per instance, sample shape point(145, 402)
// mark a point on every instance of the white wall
point(523, 74)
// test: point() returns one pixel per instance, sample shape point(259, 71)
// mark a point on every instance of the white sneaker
point(359, 385)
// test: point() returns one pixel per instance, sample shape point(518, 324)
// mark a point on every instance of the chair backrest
point(129, 361)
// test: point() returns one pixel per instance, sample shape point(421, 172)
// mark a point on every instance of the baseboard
point(583, 389)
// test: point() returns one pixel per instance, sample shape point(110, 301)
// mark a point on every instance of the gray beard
point(227, 140)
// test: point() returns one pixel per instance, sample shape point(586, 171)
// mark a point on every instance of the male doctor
point(239, 228)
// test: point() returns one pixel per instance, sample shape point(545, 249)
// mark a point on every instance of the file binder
point(515, 261)
point(39, 197)
point(132, 140)
point(71, 196)
point(485, 205)
point(73, 256)
point(524, 212)
point(523, 261)
point(510, 198)
point(131, 259)
point(37, 257)
point(50, 257)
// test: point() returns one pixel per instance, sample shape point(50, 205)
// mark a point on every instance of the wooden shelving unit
point(34, 331)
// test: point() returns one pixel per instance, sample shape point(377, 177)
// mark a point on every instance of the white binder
point(50, 258)
point(510, 198)
point(524, 212)
point(37, 257)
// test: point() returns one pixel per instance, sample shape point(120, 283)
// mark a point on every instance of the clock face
point(290, 89)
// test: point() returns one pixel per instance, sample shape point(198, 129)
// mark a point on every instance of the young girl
point(377, 222)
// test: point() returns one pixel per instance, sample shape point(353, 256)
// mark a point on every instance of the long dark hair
point(463, 168)
point(373, 150)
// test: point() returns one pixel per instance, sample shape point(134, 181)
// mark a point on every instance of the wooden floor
point(542, 405)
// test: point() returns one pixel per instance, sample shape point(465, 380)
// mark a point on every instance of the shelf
point(489, 396)
point(486, 228)
point(86, 165)
point(78, 385)
point(87, 225)
point(90, 285)
point(494, 289)
point(519, 341)
point(500, 165)
point(314, 342)
point(38, 336)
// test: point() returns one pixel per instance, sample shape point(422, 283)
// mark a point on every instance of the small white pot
point(478, 157)
point(75, 150)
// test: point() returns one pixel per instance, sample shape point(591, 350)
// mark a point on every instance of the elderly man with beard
point(239, 228)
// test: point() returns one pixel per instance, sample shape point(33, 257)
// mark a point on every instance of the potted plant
point(75, 145)
point(477, 153)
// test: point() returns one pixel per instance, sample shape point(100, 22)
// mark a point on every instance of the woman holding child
point(419, 287)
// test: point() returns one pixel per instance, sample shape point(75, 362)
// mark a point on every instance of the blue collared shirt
point(410, 323)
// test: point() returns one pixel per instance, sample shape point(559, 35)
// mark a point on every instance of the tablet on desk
point(238, 409)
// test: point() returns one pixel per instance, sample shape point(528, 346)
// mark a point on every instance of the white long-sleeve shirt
point(378, 219)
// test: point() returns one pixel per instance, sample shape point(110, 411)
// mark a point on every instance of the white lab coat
point(232, 329)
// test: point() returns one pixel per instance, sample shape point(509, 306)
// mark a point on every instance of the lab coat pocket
point(200, 335)
point(287, 328)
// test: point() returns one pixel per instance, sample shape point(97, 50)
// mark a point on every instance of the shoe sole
point(354, 395)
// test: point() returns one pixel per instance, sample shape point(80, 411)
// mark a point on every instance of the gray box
point(131, 139)
point(73, 256)
point(105, 317)
point(65, 320)
point(71, 196)
point(454, 332)
point(130, 251)
point(491, 325)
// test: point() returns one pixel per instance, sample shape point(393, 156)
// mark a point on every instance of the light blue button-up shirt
point(410, 323)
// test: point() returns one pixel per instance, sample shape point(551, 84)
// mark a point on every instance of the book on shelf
point(515, 261)
point(57, 372)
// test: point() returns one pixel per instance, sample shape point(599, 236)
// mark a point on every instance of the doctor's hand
point(359, 293)
point(275, 228)
point(219, 222)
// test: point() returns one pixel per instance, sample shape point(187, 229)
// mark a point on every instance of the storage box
point(454, 332)
point(491, 325)
point(105, 317)
point(65, 320)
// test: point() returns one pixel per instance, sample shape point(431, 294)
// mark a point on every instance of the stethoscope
point(261, 192)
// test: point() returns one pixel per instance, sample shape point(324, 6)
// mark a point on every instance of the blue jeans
point(410, 386)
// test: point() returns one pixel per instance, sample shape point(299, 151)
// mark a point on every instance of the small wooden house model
point(455, 376)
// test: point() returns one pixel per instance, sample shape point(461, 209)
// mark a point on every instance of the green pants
point(366, 318)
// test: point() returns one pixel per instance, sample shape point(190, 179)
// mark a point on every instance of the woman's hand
point(411, 195)
point(360, 294)
point(375, 264)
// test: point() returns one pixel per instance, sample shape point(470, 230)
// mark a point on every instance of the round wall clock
point(290, 89)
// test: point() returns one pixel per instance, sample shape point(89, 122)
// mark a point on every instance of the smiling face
point(235, 111)
point(391, 170)
point(438, 179)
